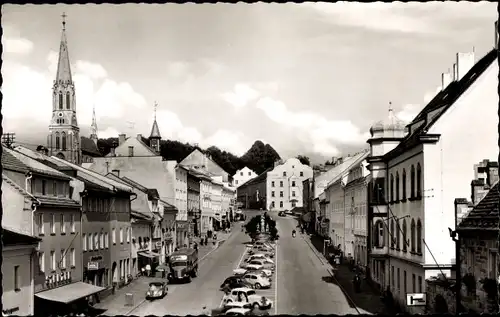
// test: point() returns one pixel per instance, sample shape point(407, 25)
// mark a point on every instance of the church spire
point(93, 127)
point(155, 137)
point(63, 65)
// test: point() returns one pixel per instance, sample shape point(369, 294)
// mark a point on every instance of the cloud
point(178, 69)
point(228, 140)
point(322, 134)
point(112, 99)
point(241, 95)
point(410, 111)
point(109, 132)
point(17, 45)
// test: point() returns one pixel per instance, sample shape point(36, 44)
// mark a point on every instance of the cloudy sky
point(308, 79)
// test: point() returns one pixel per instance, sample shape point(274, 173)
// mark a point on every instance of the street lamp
point(458, 280)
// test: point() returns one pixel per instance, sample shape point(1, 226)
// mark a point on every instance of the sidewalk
point(367, 300)
point(204, 250)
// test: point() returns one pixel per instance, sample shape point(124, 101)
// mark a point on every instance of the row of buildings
point(76, 223)
point(399, 209)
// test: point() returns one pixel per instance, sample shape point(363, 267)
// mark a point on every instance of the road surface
point(202, 294)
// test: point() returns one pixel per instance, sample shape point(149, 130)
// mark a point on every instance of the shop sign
point(181, 225)
point(93, 266)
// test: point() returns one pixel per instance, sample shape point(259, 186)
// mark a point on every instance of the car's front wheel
point(257, 286)
point(256, 305)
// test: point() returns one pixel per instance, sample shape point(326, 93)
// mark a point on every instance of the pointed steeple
point(155, 131)
point(63, 65)
point(155, 137)
point(93, 127)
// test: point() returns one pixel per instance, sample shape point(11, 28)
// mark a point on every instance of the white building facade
point(284, 185)
point(416, 176)
point(182, 229)
point(242, 176)
point(216, 198)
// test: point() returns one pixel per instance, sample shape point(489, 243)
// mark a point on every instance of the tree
point(304, 160)
point(254, 226)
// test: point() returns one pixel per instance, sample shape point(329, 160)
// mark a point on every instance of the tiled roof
point(42, 158)
point(21, 190)
point(89, 147)
point(9, 162)
point(11, 238)
point(443, 100)
point(35, 166)
point(57, 201)
point(485, 214)
point(140, 215)
point(344, 167)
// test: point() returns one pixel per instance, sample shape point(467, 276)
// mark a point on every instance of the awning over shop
point(149, 254)
point(70, 293)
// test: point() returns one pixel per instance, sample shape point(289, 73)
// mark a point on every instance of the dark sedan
point(233, 282)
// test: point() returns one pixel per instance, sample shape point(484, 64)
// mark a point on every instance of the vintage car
point(156, 290)
point(263, 263)
point(256, 280)
point(234, 282)
point(251, 266)
point(247, 295)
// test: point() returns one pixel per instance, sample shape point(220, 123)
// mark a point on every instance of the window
point(96, 241)
point(419, 237)
point(54, 188)
point(404, 237)
point(412, 182)
point(68, 100)
point(53, 260)
point(293, 204)
point(63, 259)
point(281, 183)
point(397, 186)
point(284, 174)
point(57, 141)
point(293, 193)
point(91, 242)
point(413, 283)
point(241, 173)
point(293, 183)
point(52, 223)
point(60, 101)
point(272, 193)
point(130, 151)
point(63, 141)
point(405, 285)
point(404, 184)
point(128, 234)
point(41, 261)
point(63, 227)
point(41, 228)
point(419, 181)
point(236, 182)
point(272, 204)
point(72, 223)
point(412, 235)
point(393, 278)
point(393, 238)
point(17, 279)
point(113, 235)
point(492, 264)
point(281, 193)
point(272, 184)
point(378, 233)
point(392, 188)
point(301, 174)
point(249, 174)
point(281, 204)
point(44, 187)
point(84, 242)
point(106, 240)
point(73, 257)
point(398, 235)
point(420, 284)
point(399, 280)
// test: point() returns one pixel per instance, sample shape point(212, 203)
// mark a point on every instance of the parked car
point(251, 266)
point(238, 312)
point(247, 295)
point(282, 214)
point(257, 280)
point(263, 263)
point(234, 282)
point(156, 290)
point(263, 272)
point(259, 256)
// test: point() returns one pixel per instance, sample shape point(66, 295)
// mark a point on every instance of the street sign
point(416, 299)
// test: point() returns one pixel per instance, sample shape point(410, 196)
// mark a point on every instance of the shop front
point(182, 229)
point(95, 271)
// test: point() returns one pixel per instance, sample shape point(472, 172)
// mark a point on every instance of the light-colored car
point(238, 312)
point(251, 266)
point(156, 290)
point(257, 280)
point(263, 263)
point(263, 272)
point(259, 256)
point(247, 295)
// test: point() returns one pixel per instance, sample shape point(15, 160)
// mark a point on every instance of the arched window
point(398, 235)
point(419, 237)
point(60, 101)
point(68, 100)
point(392, 188)
point(419, 181)
point(412, 182)
point(393, 239)
point(378, 234)
point(404, 236)
point(412, 239)
point(397, 186)
point(63, 137)
point(404, 184)
point(57, 141)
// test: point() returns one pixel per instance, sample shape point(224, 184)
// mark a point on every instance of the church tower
point(63, 140)
point(93, 128)
point(155, 137)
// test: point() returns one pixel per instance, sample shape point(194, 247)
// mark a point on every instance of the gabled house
point(243, 175)
point(204, 162)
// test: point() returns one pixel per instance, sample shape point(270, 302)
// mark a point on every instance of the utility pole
point(8, 139)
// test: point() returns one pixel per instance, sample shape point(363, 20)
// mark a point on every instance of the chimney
point(454, 76)
point(116, 173)
point(121, 139)
point(139, 137)
point(492, 173)
point(461, 210)
point(465, 61)
point(113, 147)
point(477, 190)
point(446, 79)
point(334, 160)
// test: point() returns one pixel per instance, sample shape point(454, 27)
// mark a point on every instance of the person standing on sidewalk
point(148, 270)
